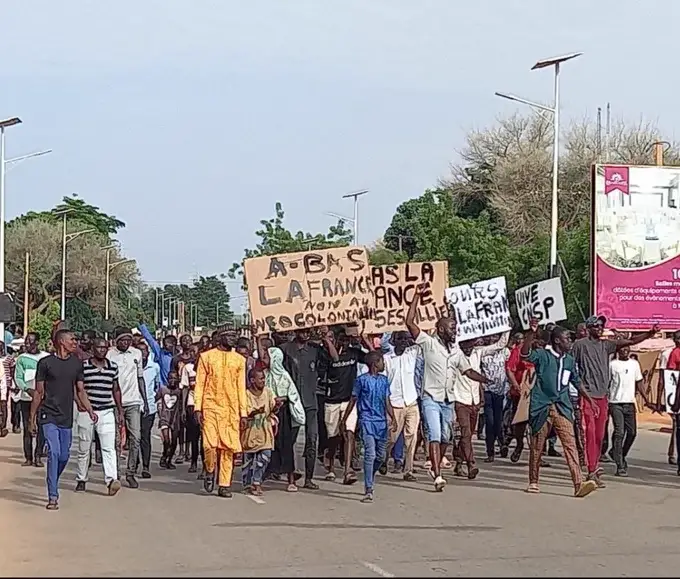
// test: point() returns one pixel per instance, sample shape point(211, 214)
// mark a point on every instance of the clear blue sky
point(190, 119)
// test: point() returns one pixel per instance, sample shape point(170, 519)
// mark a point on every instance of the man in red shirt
point(516, 367)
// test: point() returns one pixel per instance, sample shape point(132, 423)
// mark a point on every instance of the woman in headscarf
point(291, 413)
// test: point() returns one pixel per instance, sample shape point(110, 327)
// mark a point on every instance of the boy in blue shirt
point(371, 395)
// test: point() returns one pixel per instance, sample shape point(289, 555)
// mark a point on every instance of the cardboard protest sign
point(522, 412)
point(310, 288)
point(670, 383)
point(394, 287)
point(543, 300)
point(481, 309)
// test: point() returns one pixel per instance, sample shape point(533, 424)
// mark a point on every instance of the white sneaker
point(439, 483)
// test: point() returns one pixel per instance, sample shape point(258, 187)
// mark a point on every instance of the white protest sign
point(670, 383)
point(543, 300)
point(481, 308)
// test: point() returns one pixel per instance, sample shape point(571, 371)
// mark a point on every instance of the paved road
point(480, 528)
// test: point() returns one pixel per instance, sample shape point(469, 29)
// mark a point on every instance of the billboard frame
point(593, 228)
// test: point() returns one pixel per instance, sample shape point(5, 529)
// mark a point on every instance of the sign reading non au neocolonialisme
point(309, 288)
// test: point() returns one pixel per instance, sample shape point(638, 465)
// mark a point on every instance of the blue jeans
point(254, 466)
point(438, 417)
point(58, 441)
point(493, 419)
point(374, 456)
point(398, 449)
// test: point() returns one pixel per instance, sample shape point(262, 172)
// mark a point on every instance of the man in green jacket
point(24, 376)
point(550, 404)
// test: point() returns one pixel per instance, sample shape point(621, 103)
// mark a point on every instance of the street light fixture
point(356, 195)
point(65, 238)
point(555, 110)
point(11, 162)
point(109, 267)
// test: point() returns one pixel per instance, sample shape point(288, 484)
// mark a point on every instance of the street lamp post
point(109, 267)
point(555, 110)
point(3, 125)
point(356, 195)
point(65, 238)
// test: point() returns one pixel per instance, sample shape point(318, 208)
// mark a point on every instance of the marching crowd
point(230, 401)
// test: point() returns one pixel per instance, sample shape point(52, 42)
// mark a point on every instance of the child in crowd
point(257, 438)
point(371, 396)
point(169, 411)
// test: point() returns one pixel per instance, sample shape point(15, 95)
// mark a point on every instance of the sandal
point(292, 488)
point(52, 506)
point(349, 479)
point(533, 489)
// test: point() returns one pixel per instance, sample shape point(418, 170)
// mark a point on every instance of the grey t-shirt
point(592, 362)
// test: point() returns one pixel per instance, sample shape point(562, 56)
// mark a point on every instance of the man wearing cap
point(133, 394)
point(592, 355)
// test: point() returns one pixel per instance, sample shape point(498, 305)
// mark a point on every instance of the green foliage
point(472, 248)
point(381, 255)
point(88, 216)
point(275, 239)
point(210, 296)
point(40, 235)
point(43, 323)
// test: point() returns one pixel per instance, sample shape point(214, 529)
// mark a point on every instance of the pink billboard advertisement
point(636, 246)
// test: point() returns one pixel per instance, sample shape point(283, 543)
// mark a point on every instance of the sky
point(189, 120)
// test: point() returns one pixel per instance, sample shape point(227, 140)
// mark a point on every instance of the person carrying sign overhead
point(443, 358)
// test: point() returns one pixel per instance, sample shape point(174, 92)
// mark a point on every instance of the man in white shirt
point(400, 367)
point(133, 391)
point(443, 361)
point(626, 379)
point(469, 398)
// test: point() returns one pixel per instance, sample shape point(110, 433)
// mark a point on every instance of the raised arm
point(330, 347)
point(637, 339)
point(495, 347)
point(262, 351)
point(153, 343)
point(413, 310)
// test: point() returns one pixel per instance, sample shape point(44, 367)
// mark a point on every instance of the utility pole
point(27, 305)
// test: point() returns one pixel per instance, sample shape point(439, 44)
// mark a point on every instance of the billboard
point(635, 244)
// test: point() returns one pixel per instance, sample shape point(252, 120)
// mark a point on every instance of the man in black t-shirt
point(302, 360)
point(59, 378)
point(340, 377)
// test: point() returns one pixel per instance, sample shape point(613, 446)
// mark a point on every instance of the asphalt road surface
point(169, 527)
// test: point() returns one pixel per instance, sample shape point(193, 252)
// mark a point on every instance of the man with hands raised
point(443, 358)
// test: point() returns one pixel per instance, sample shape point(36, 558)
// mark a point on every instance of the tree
point(85, 272)
point(491, 216)
point(209, 294)
point(509, 167)
point(471, 247)
point(89, 216)
point(275, 239)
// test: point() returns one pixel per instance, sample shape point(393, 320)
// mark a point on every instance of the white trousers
point(106, 429)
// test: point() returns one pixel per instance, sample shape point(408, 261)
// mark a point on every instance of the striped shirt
point(98, 383)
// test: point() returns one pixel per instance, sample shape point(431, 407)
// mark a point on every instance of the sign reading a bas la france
point(481, 308)
point(394, 287)
point(543, 300)
point(309, 288)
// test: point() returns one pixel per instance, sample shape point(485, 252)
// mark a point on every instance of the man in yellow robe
point(220, 405)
